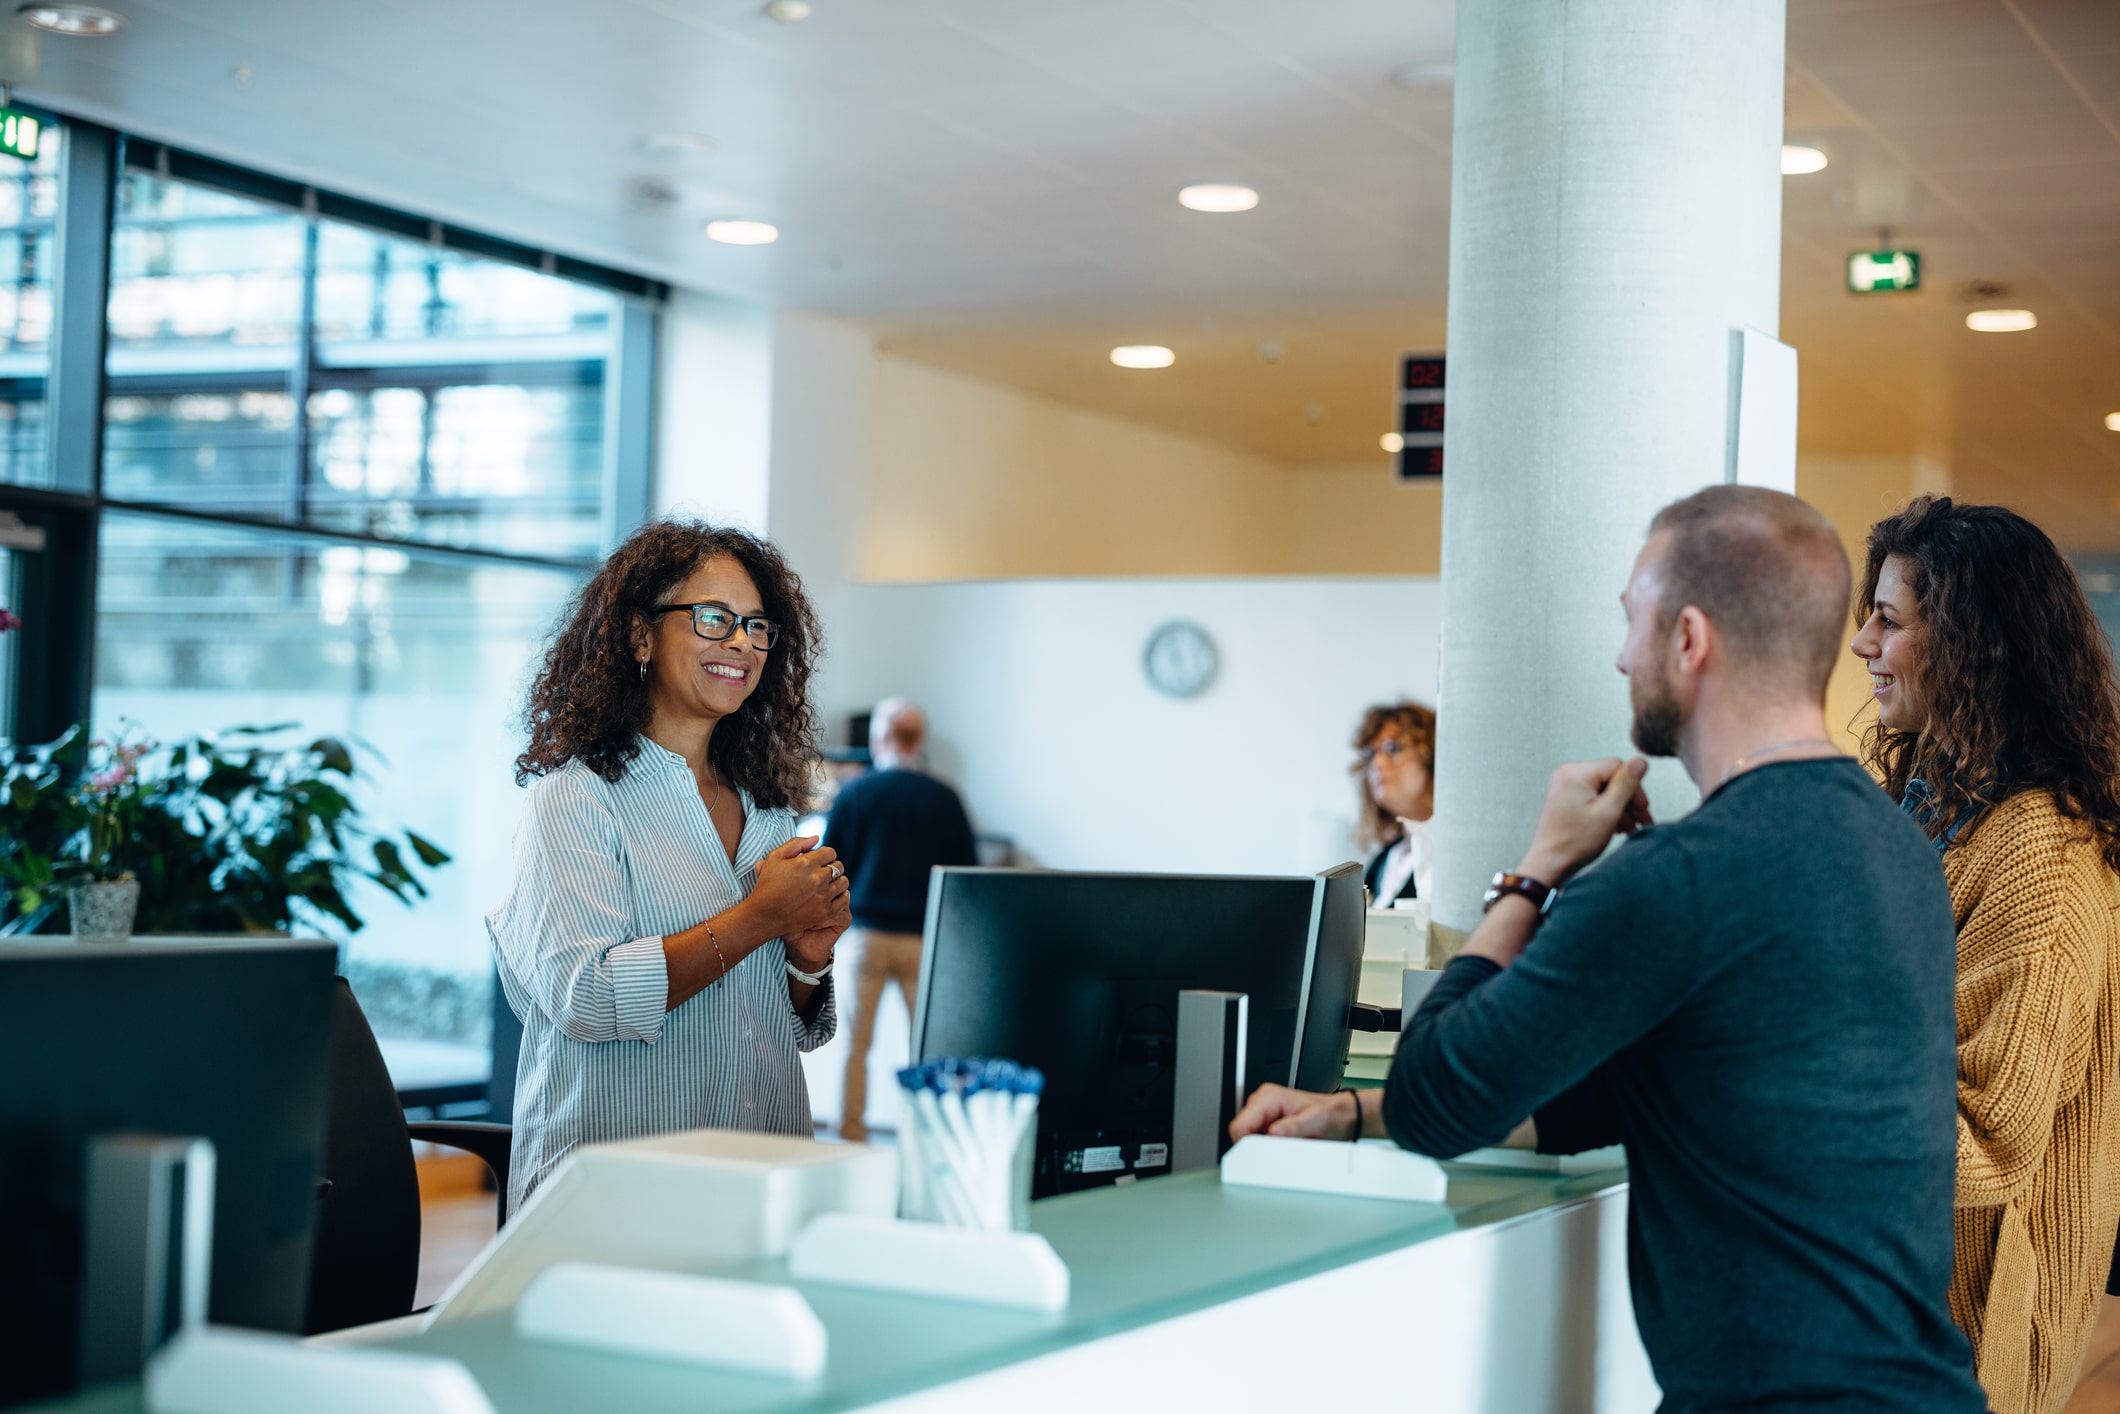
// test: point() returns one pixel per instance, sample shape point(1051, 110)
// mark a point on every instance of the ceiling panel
point(989, 183)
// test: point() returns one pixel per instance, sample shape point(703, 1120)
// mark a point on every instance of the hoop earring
point(643, 672)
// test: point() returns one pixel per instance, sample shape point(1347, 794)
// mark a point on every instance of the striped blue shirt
point(602, 872)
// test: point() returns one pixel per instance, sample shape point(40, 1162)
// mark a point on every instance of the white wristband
point(813, 979)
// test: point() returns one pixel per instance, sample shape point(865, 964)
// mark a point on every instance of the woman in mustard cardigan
point(1998, 727)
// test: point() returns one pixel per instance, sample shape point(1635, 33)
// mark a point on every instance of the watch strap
point(811, 979)
point(1540, 895)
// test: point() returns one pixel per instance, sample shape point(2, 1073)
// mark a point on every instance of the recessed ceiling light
point(88, 20)
point(1392, 442)
point(1143, 356)
point(1796, 160)
point(677, 142)
point(2001, 321)
point(742, 232)
point(1213, 196)
point(788, 12)
point(2112, 422)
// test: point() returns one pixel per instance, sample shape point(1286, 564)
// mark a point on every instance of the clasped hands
point(801, 895)
point(1587, 803)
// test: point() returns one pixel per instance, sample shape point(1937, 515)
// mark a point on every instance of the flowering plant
point(226, 832)
point(112, 799)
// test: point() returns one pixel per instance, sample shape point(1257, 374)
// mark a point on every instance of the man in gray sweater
point(1755, 1000)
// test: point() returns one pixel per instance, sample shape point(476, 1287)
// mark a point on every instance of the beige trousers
point(878, 958)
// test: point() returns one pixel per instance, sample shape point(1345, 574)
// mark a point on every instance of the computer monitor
point(1335, 977)
point(231, 1041)
point(1079, 974)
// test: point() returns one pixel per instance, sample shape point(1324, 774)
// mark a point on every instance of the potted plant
point(105, 895)
point(236, 831)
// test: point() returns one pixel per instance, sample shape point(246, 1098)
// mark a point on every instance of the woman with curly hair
point(1395, 760)
point(667, 941)
point(1998, 728)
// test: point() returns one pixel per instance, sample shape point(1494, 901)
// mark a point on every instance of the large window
point(29, 202)
point(443, 398)
point(339, 466)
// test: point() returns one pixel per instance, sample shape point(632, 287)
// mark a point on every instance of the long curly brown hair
point(2016, 670)
point(1379, 826)
point(589, 702)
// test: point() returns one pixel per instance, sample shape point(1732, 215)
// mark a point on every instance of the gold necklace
point(1750, 756)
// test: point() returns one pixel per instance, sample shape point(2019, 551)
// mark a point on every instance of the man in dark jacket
point(891, 827)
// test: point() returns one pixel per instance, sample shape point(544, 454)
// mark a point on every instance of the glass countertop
point(1138, 1254)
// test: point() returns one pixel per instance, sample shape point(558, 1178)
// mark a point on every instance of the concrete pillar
point(1615, 214)
point(714, 410)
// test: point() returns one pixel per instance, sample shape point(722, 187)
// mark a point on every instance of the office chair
point(367, 1260)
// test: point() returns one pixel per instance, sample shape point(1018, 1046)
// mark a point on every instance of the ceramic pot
point(103, 913)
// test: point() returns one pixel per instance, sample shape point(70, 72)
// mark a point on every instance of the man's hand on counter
point(1304, 1114)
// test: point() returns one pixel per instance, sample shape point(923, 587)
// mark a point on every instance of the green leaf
point(431, 854)
point(330, 900)
point(389, 860)
point(332, 755)
point(24, 794)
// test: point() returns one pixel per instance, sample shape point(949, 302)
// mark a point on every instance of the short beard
point(1657, 718)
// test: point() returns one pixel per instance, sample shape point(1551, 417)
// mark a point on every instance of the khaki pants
point(878, 958)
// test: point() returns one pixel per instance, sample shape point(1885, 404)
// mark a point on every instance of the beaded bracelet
point(724, 961)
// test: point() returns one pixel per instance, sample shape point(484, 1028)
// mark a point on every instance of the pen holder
point(968, 1143)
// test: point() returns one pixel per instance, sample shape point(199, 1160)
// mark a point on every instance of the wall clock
point(1179, 659)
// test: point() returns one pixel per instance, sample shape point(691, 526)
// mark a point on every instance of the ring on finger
point(836, 870)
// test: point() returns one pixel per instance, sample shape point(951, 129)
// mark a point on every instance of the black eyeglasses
point(717, 623)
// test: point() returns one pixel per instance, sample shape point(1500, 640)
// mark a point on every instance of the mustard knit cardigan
point(2038, 1097)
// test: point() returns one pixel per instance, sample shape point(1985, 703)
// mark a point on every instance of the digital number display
point(1420, 463)
point(1416, 448)
point(1423, 373)
point(1420, 417)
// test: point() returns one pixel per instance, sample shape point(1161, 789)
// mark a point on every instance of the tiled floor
point(452, 1230)
point(457, 1214)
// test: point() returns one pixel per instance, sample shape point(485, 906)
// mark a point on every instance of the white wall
point(822, 372)
point(1042, 717)
point(1035, 687)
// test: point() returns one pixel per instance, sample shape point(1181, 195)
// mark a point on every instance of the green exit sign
point(19, 134)
point(1870, 271)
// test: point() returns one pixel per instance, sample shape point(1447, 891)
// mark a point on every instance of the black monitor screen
point(1079, 975)
point(229, 1041)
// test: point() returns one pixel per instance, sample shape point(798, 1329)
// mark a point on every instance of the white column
point(714, 410)
point(1615, 215)
point(822, 375)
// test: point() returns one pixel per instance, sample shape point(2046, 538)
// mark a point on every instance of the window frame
point(55, 648)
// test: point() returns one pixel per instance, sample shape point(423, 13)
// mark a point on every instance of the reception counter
point(1187, 1294)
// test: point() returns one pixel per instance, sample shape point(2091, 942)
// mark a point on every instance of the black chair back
point(507, 1050)
point(367, 1262)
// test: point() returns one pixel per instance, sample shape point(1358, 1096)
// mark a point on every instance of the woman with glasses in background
point(667, 940)
point(1998, 728)
point(1395, 759)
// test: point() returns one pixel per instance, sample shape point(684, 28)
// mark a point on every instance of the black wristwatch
point(1541, 895)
